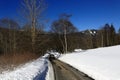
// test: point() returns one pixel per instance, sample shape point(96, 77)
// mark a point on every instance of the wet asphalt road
point(64, 71)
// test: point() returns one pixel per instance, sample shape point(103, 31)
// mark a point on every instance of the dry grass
point(11, 61)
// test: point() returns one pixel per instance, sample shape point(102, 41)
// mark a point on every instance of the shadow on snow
point(41, 76)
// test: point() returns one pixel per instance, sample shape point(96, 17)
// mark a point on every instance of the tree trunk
point(102, 44)
point(65, 37)
point(33, 34)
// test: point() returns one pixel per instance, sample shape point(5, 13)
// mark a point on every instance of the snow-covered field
point(26, 72)
point(100, 64)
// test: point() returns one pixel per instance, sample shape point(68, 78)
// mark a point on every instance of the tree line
point(62, 37)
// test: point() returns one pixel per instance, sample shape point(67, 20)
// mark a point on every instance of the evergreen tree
point(112, 35)
point(119, 31)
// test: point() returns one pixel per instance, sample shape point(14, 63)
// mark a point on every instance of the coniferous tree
point(112, 35)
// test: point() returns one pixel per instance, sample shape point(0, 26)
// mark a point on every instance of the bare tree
point(32, 11)
point(63, 26)
point(11, 26)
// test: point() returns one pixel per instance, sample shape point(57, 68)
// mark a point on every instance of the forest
point(15, 40)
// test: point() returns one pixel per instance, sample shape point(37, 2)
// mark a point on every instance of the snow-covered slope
point(100, 64)
point(26, 72)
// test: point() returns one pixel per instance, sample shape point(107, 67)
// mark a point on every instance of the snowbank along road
point(63, 71)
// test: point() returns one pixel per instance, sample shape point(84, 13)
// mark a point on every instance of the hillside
point(100, 63)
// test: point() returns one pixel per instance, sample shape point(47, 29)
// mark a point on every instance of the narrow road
point(63, 71)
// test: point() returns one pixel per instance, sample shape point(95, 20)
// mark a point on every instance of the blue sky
point(86, 14)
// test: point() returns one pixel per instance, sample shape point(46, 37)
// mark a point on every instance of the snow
point(78, 50)
point(26, 72)
point(46, 55)
point(32, 70)
point(50, 73)
point(52, 52)
point(56, 54)
point(100, 64)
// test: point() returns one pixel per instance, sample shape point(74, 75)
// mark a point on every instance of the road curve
point(63, 71)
